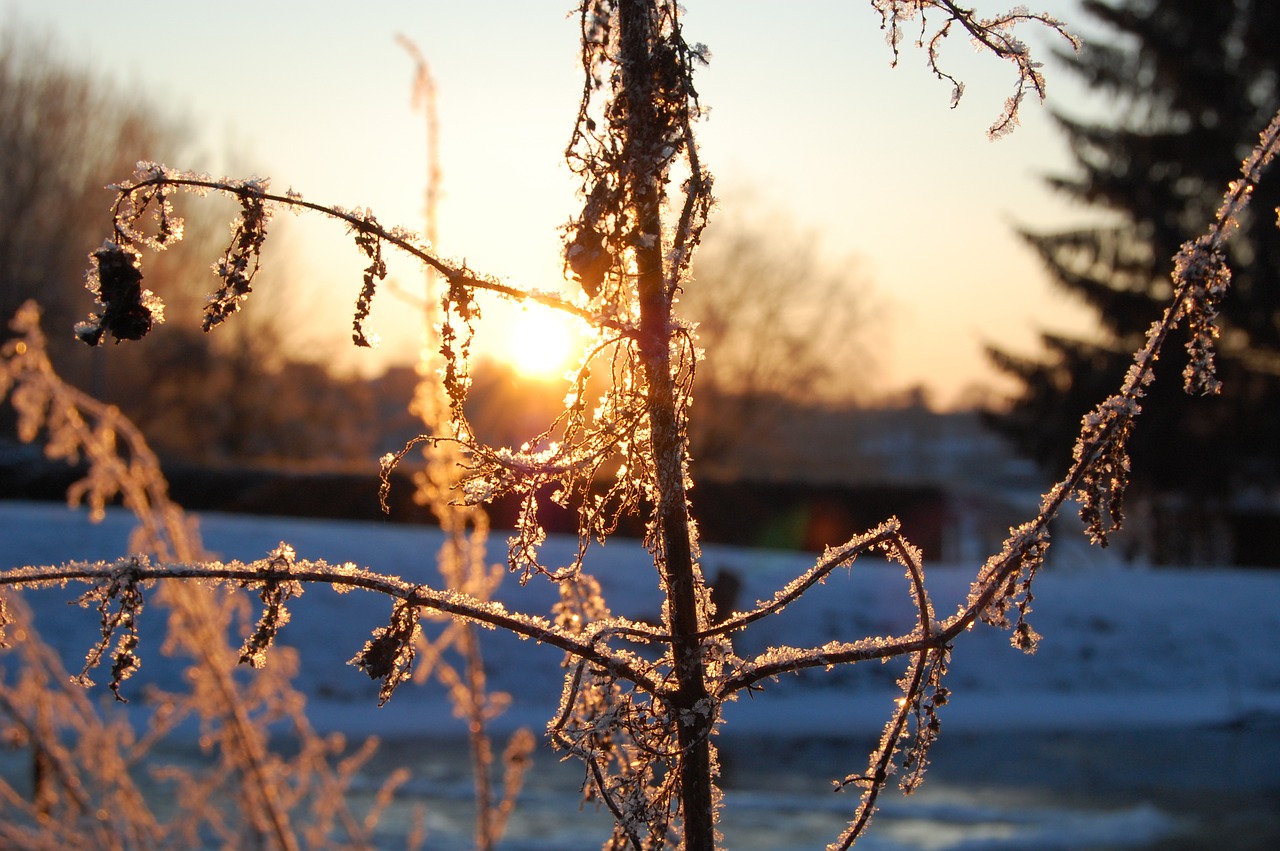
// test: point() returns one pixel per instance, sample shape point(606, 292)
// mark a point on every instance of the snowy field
point(1149, 717)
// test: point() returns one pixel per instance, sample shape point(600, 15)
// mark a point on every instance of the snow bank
point(1121, 648)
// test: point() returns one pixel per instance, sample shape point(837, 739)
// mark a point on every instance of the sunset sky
point(809, 127)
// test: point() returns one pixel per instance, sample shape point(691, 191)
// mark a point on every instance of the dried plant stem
point(641, 724)
point(681, 579)
point(205, 640)
point(461, 558)
point(125, 464)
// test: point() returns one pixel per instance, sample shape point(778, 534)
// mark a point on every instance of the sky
point(810, 129)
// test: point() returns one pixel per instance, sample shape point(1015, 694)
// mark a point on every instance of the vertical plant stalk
point(95, 430)
point(166, 532)
point(205, 640)
point(461, 559)
point(642, 151)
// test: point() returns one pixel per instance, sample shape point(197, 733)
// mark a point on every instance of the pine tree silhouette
point(1190, 84)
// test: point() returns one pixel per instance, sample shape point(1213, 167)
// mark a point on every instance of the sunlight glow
point(540, 343)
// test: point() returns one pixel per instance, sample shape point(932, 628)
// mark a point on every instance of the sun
point(540, 343)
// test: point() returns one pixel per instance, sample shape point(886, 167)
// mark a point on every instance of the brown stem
point(145, 494)
point(643, 144)
point(361, 224)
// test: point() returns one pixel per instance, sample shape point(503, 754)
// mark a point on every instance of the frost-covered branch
point(282, 568)
point(927, 635)
point(832, 559)
point(128, 312)
point(995, 34)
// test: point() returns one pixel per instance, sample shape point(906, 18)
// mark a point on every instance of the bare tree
point(778, 325)
point(64, 135)
point(641, 702)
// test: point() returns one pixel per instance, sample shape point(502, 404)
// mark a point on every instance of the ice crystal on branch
point(1103, 449)
point(241, 260)
point(641, 702)
point(376, 271)
point(127, 311)
point(388, 656)
point(275, 589)
point(996, 34)
point(122, 586)
point(1201, 267)
point(152, 201)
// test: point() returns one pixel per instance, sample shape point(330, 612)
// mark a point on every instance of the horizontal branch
point(926, 636)
point(834, 557)
point(365, 224)
point(345, 577)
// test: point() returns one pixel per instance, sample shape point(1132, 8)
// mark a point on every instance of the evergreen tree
point(1192, 84)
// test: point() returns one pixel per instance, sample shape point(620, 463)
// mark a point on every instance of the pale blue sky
point(807, 120)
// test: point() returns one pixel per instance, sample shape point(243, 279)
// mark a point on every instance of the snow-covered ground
point(1137, 670)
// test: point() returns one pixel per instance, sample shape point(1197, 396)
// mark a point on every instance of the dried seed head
point(128, 311)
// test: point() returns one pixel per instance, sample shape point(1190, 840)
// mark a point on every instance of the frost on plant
point(388, 656)
point(121, 624)
point(84, 793)
point(275, 589)
point(996, 34)
point(371, 246)
point(641, 702)
point(240, 261)
point(126, 310)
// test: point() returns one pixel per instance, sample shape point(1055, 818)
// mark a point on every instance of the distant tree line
point(230, 397)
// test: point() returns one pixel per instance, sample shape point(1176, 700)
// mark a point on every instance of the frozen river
point(1177, 790)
